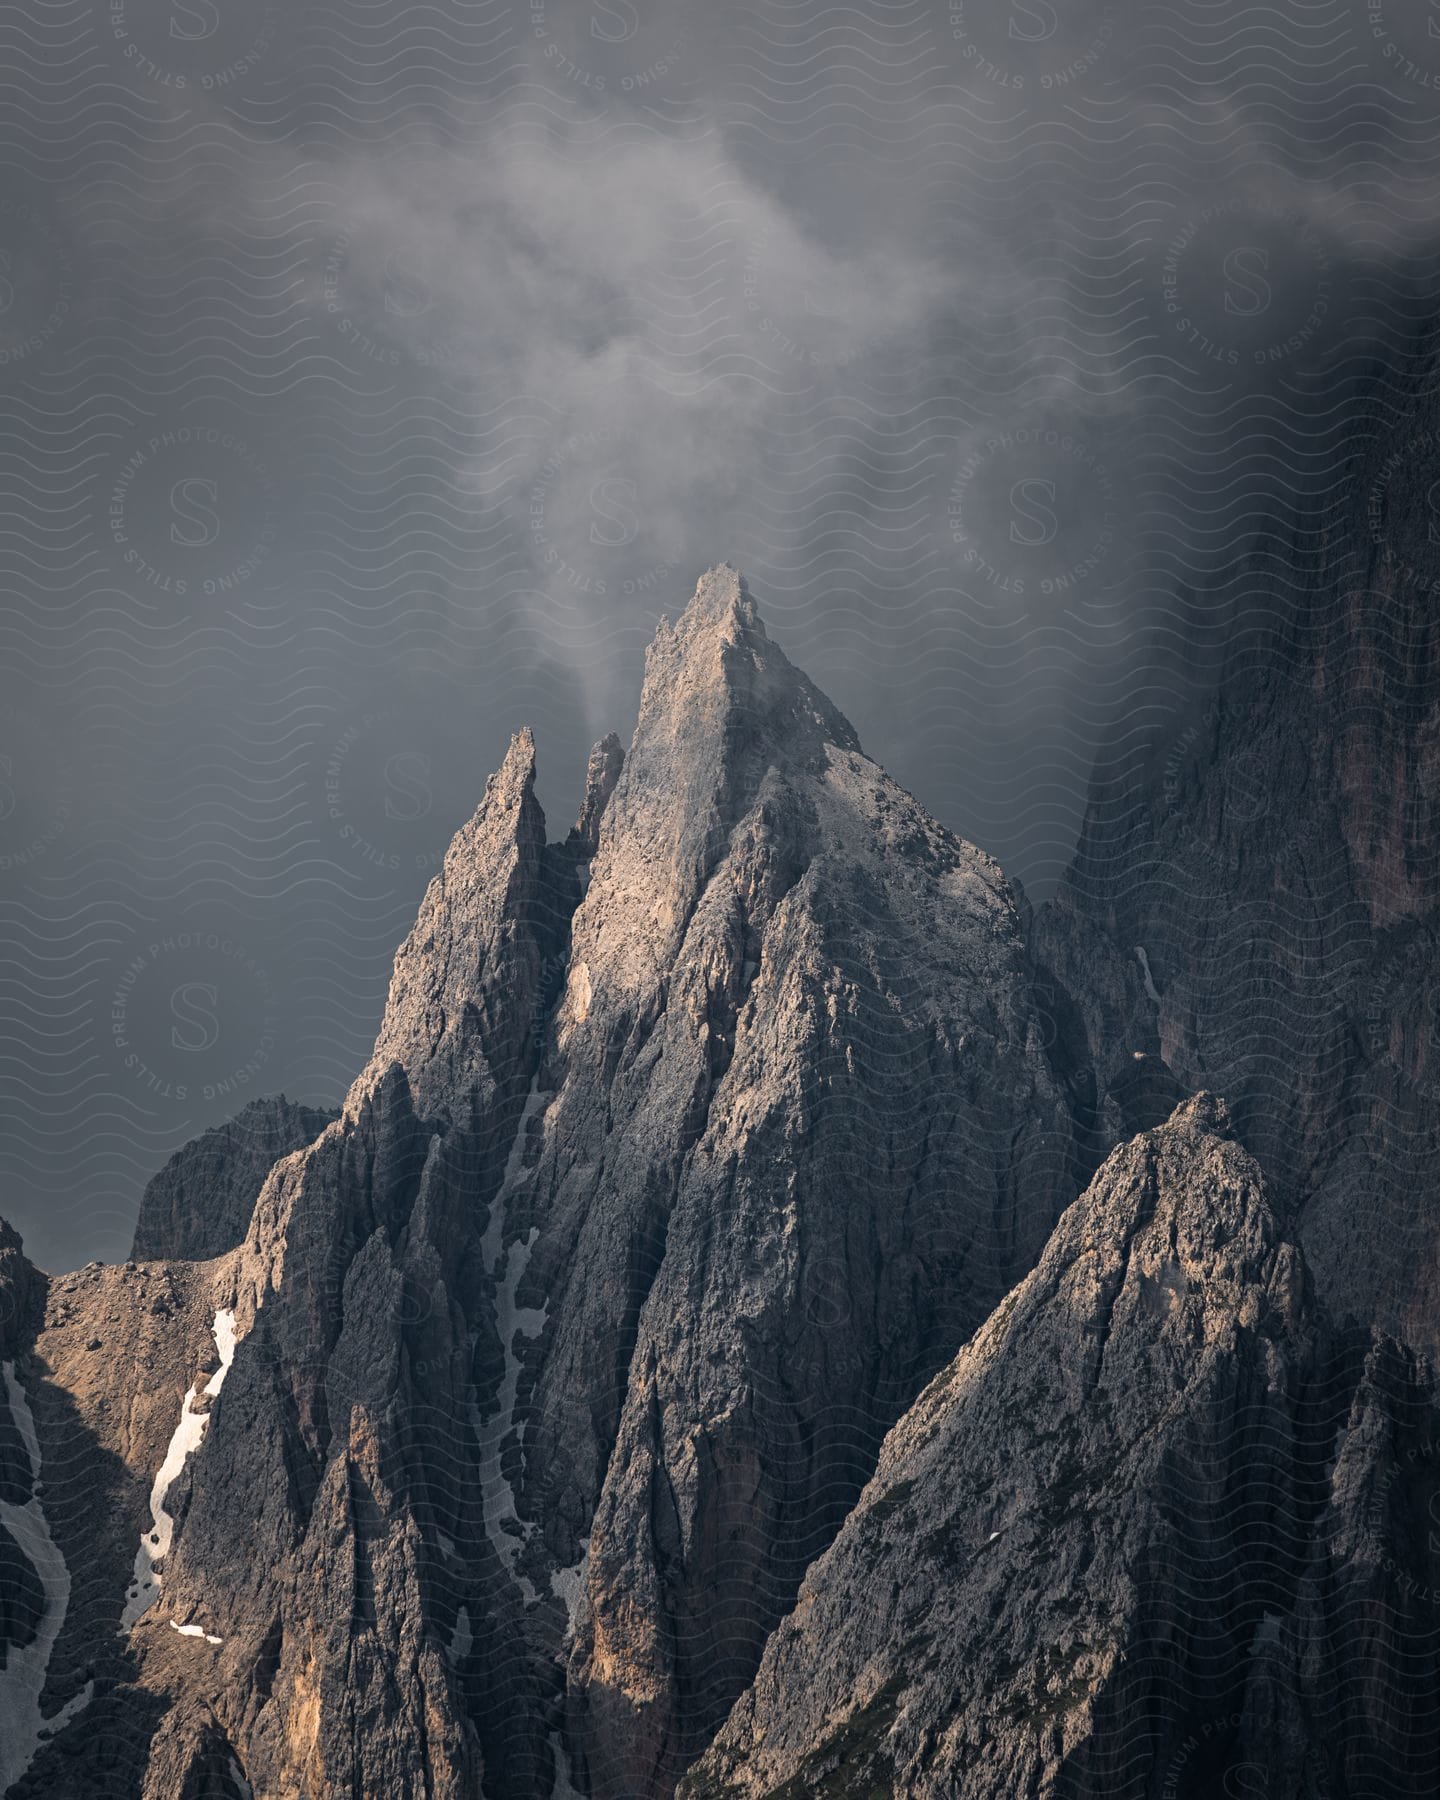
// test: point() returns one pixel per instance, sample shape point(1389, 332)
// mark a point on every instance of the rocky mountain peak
point(22, 1292)
point(1110, 1532)
point(602, 772)
point(200, 1204)
point(717, 686)
point(722, 599)
point(581, 1421)
point(480, 912)
point(780, 965)
point(728, 728)
point(1177, 1211)
point(1203, 1112)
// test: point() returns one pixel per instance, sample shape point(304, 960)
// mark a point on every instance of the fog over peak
point(378, 376)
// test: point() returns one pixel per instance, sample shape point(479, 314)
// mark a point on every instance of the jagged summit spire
point(603, 771)
point(517, 770)
point(721, 611)
point(473, 939)
point(722, 598)
point(718, 663)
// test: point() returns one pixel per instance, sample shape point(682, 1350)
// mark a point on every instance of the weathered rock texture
point(692, 1145)
point(1255, 902)
point(336, 1578)
point(199, 1205)
point(328, 1528)
point(22, 1295)
point(796, 1133)
point(103, 1367)
point(1151, 1533)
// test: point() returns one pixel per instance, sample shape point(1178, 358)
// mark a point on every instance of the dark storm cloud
point(378, 377)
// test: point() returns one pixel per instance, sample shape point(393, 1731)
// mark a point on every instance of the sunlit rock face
point(693, 1142)
point(796, 1132)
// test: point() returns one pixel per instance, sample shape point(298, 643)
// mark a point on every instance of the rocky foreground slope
point(479, 1442)
point(1152, 1532)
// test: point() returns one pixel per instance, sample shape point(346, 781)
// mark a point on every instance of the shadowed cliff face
point(1132, 1541)
point(1255, 901)
point(22, 1294)
point(336, 1528)
point(199, 1205)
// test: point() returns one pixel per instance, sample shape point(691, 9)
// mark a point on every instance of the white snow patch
point(22, 1680)
point(508, 1266)
point(195, 1631)
point(242, 1786)
point(67, 1712)
point(1145, 971)
point(1268, 1633)
point(223, 1331)
point(569, 1586)
point(189, 1434)
point(514, 1171)
point(563, 1788)
point(462, 1639)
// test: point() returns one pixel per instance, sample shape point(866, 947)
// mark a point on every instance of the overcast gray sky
point(378, 373)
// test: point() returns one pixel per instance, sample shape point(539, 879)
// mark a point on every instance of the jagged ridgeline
point(685, 1354)
point(1132, 1541)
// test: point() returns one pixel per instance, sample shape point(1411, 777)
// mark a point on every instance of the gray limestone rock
point(199, 1205)
point(740, 1097)
point(694, 1143)
point(795, 1133)
point(1144, 1536)
point(22, 1295)
point(342, 1457)
point(1254, 904)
